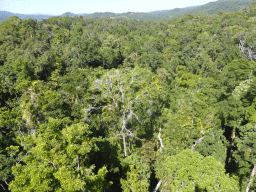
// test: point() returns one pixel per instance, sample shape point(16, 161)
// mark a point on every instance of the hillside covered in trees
point(126, 105)
point(206, 9)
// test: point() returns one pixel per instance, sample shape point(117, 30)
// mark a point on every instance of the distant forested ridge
point(126, 105)
point(3, 19)
point(207, 9)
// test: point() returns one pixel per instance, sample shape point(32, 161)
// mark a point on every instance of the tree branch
point(161, 141)
point(3, 187)
point(22, 159)
point(125, 153)
point(251, 178)
point(196, 142)
point(157, 186)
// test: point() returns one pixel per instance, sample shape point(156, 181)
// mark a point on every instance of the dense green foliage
point(190, 171)
point(125, 105)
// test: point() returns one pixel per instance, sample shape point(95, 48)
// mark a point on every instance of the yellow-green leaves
point(190, 171)
point(134, 181)
point(57, 161)
point(138, 174)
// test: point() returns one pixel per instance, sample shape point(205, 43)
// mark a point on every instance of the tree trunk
point(125, 154)
point(78, 162)
point(233, 137)
point(196, 142)
point(157, 186)
point(251, 178)
point(129, 147)
point(161, 141)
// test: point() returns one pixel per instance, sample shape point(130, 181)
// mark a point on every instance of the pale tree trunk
point(125, 153)
point(196, 142)
point(123, 132)
point(161, 141)
point(251, 178)
point(157, 186)
point(161, 146)
point(233, 137)
point(78, 162)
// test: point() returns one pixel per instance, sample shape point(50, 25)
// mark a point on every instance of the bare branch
point(157, 186)
point(3, 187)
point(78, 162)
point(251, 178)
point(161, 141)
point(125, 153)
point(22, 159)
point(137, 118)
point(196, 142)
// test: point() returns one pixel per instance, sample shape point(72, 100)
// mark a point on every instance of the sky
point(57, 7)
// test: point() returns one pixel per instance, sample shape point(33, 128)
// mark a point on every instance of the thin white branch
point(78, 162)
point(196, 142)
point(53, 164)
point(129, 116)
point(157, 186)
point(3, 187)
point(137, 118)
point(251, 178)
point(125, 153)
point(138, 96)
point(130, 133)
point(161, 141)
point(22, 159)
